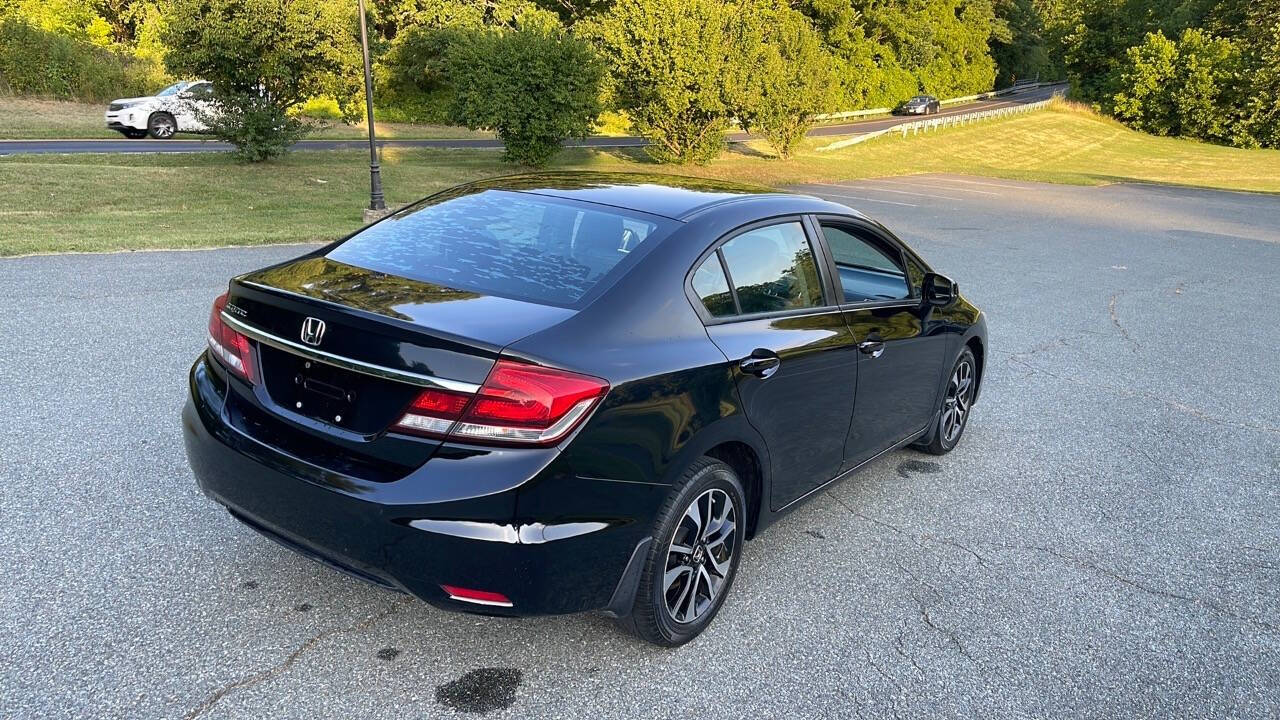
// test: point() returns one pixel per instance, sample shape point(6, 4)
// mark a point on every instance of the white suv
point(177, 108)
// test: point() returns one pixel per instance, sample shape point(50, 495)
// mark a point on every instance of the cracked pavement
point(1104, 542)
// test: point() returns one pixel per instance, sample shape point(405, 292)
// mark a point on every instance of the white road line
point(944, 187)
point(867, 199)
point(881, 190)
point(975, 182)
point(898, 192)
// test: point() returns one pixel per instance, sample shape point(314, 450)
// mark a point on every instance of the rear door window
point(773, 269)
point(868, 271)
point(504, 243)
point(712, 288)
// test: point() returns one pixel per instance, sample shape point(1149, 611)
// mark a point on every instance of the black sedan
point(557, 393)
point(921, 105)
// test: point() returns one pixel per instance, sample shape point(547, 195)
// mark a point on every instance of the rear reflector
point(229, 346)
point(479, 597)
point(519, 404)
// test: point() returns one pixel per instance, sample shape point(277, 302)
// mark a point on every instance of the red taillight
point(518, 404)
point(482, 597)
point(229, 346)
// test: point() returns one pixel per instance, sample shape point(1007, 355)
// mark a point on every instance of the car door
point(901, 347)
point(771, 311)
point(193, 103)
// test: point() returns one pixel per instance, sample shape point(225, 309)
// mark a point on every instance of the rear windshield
point(502, 243)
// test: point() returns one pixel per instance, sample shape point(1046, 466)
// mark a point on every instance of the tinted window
point(502, 243)
point(773, 269)
point(712, 287)
point(867, 271)
point(201, 91)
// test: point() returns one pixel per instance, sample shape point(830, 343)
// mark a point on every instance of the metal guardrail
point(918, 126)
point(827, 117)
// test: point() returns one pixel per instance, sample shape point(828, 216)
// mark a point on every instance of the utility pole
point(377, 204)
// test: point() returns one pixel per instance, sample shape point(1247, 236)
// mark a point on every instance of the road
point(1105, 542)
point(17, 147)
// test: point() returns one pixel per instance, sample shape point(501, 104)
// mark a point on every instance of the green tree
point(533, 87)
point(792, 78)
point(1144, 100)
point(264, 57)
point(866, 68)
point(945, 44)
point(34, 61)
point(422, 35)
point(1028, 52)
point(1207, 91)
point(1261, 42)
point(1188, 88)
point(676, 67)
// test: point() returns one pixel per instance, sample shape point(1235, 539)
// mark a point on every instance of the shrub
point(40, 62)
point(1262, 43)
point(1189, 88)
point(676, 67)
point(415, 72)
point(1144, 100)
point(264, 57)
point(792, 79)
point(258, 127)
point(533, 87)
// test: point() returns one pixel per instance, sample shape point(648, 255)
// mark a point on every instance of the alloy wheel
point(700, 556)
point(163, 127)
point(955, 409)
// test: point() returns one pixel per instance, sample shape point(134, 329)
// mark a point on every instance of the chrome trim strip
point(379, 371)
point(530, 534)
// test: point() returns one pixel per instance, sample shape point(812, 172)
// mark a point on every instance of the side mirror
point(940, 291)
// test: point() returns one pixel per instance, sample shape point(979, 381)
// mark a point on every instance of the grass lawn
point(31, 119)
point(112, 202)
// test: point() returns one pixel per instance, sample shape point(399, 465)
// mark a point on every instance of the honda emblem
point(312, 331)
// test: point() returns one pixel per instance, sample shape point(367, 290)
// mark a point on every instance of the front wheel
point(956, 404)
point(693, 557)
point(161, 126)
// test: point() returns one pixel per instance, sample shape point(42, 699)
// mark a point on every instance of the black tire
point(133, 134)
point(958, 396)
point(713, 486)
point(162, 126)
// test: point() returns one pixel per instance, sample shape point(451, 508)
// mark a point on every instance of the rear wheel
point(693, 557)
point(956, 404)
point(161, 126)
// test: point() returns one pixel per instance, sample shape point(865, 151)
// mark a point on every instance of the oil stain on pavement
point(480, 691)
point(907, 468)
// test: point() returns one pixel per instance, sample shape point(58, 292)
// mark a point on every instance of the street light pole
point(376, 201)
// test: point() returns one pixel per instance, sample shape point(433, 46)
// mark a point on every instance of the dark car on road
point(921, 105)
point(558, 393)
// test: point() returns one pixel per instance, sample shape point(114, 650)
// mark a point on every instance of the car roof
point(671, 196)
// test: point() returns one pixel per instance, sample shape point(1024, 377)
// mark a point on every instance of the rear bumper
point(571, 556)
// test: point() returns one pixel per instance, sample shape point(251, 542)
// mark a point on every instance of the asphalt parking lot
point(1104, 542)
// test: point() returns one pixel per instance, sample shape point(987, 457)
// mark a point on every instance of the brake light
point(518, 404)
point(229, 346)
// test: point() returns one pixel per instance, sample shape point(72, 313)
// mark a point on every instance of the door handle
point(874, 348)
point(761, 363)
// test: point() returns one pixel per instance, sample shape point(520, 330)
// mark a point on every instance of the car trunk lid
point(344, 350)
